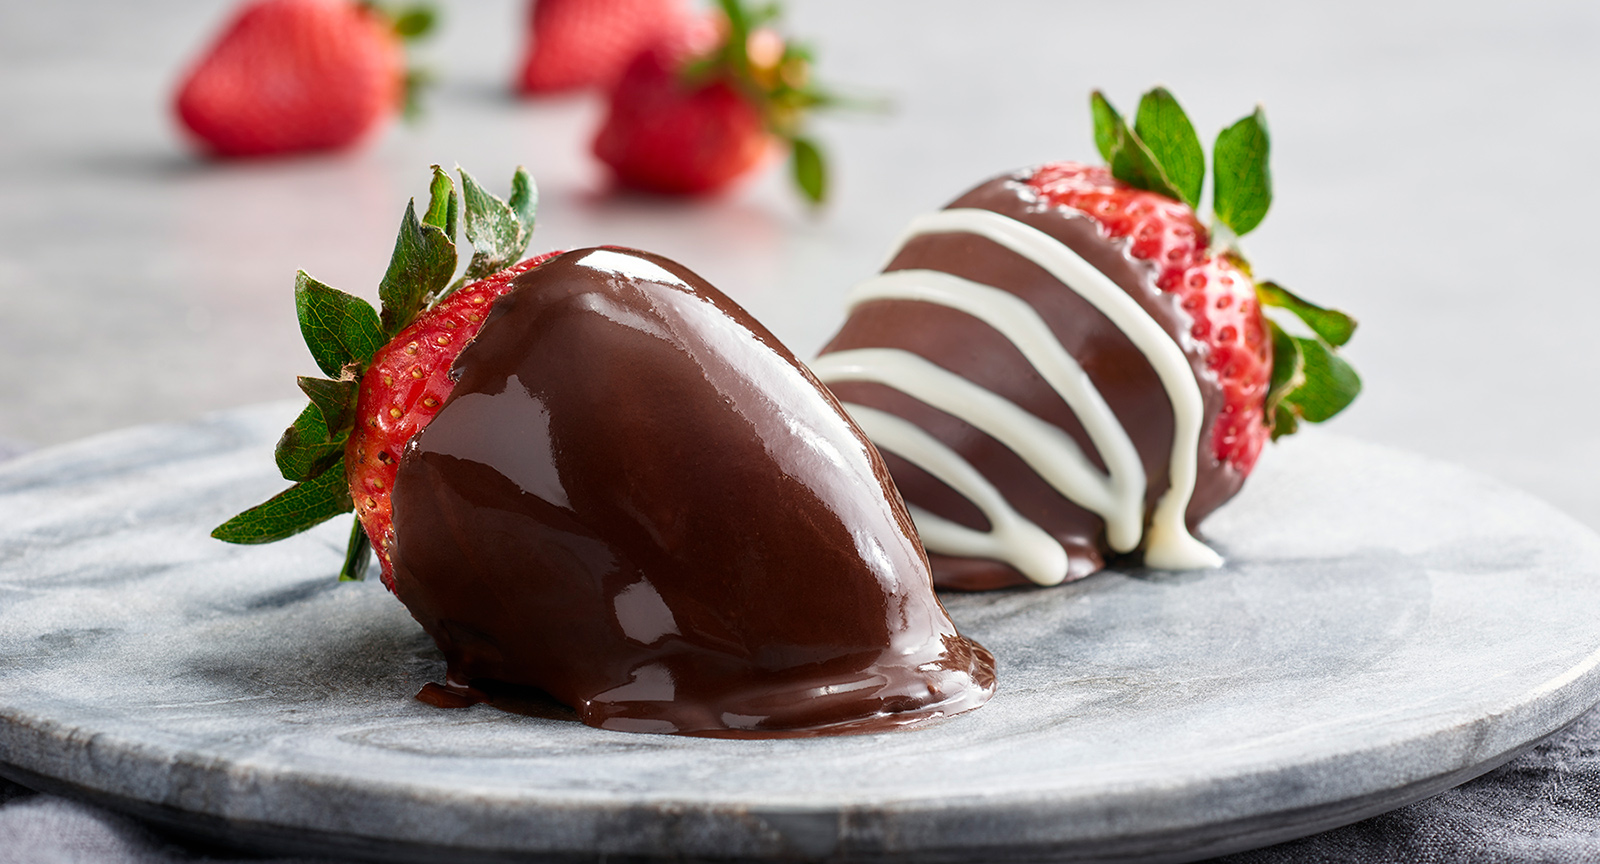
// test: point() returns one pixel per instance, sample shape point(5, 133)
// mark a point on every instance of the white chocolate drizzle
point(1118, 496)
point(1011, 537)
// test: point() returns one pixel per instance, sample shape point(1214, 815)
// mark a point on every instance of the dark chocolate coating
point(971, 348)
point(637, 500)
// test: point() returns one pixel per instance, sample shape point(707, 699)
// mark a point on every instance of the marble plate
point(1387, 626)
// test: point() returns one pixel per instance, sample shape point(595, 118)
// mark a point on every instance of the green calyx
point(410, 22)
point(343, 332)
point(1310, 381)
point(1161, 153)
point(775, 74)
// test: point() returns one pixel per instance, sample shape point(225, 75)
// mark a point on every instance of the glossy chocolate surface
point(969, 347)
point(639, 502)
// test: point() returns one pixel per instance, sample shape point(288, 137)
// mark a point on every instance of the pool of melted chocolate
point(639, 502)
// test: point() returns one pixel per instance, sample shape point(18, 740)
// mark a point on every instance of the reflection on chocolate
point(975, 350)
point(638, 501)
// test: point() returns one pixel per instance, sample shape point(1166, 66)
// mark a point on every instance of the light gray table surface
point(1433, 164)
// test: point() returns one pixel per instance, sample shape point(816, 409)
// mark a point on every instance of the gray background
point(1433, 166)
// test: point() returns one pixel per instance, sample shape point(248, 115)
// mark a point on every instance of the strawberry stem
point(356, 555)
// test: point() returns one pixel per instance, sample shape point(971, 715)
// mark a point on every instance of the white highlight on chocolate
point(1119, 498)
point(1011, 538)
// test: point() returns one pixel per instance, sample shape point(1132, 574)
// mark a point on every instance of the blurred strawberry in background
point(288, 76)
point(691, 115)
point(581, 44)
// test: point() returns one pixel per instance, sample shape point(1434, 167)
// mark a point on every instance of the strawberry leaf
point(334, 400)
point(1284, 422)
point(301, 506)
point(414, 22)
point(1333, 326)
point(763, 15)
point(1106, 121)
point(407, 22)
point(1288, 372)
point(1139, 167)
point(1330, 383)
point(497, 232)
point(1166, 130)
point(810, 173)
point(306, 448)
point(444, 205)
point(338, 328)
point(1243, 186)
point(735, 49)
point(524, 200)
point(1310, 382)
point(424, 259)
point(1130, 159)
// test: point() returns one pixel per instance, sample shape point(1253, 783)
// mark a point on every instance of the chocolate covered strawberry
point(1067, 363)
point(687, 119)
point(290, 76)
point(594, 474)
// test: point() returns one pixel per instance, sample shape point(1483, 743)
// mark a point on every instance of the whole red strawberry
point(577, 44)
point(688, 122)
point(389, 372)
point(290, 76)
point(664, 136)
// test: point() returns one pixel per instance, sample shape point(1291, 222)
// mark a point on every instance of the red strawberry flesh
point(575, 44)
point(1219, 296)
point(401, 391)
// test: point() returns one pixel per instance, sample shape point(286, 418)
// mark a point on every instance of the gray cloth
point(1541, 807)
point(44, 829)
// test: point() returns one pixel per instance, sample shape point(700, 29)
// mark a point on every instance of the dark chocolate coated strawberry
point(637, 500)
point(593, 474)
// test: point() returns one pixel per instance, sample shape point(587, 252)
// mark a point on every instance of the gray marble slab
point(1386, 626)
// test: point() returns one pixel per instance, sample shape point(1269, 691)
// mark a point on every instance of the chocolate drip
point(637, 500)
point(972, 349)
